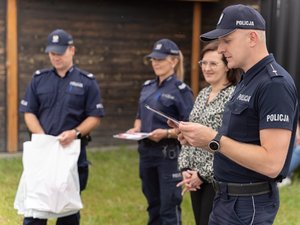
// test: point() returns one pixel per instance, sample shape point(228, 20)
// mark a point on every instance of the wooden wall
point(112, 38)
point(2, 75)
point(212, 11)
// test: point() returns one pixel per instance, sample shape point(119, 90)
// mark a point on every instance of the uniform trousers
point(67, 220)
point(245, 210)
point(202, 203)
point(159, 175)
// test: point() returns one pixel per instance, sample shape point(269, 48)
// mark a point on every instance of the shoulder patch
point(39, 72)
point(87, 74)
point(147, 82)
point(181, 86)
point(272, 70)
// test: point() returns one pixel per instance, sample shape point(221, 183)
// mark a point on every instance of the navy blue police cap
point(236, 17)
point(58, 41)
point(163, 48)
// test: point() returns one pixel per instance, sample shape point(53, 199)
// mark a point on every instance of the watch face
point(214, 145)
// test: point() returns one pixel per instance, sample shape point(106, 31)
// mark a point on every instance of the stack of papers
point(132, 136)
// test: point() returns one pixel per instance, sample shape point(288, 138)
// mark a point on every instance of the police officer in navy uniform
point(63, 101)
point(254, 145)
point(158, 153)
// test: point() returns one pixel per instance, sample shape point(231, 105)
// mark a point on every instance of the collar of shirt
point(169, 78)
point(67, 73)
point(254, 70)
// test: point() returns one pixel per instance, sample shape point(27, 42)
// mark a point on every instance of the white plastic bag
point(49, 186)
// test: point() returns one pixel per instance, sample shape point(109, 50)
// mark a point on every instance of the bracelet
point(169, 135)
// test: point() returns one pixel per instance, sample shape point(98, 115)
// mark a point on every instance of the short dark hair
point(233, 75)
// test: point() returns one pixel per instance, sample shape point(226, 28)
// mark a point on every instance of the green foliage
point(114, 196)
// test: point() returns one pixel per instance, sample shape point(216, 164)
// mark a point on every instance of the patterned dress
point(209, 114)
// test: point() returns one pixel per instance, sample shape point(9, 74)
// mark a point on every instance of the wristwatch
point(78, 134)
point(214, 144)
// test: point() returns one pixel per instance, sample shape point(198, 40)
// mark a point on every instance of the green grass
point(114, 196)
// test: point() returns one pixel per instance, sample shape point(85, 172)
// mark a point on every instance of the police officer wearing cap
point(253, 147)
point(159, 152)
point(63, 101)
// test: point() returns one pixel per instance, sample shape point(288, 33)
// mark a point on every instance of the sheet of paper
point(163, 115)
point(132, 136)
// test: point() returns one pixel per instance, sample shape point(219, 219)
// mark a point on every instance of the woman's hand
point(133, 130)
point(158, 134)
point(190, 182)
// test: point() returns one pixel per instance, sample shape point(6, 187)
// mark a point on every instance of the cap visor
point(58, 49)
point(215, 34)
point(157, 55)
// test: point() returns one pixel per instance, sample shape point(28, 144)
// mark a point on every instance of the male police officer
point(254, 145)
point(63, 101)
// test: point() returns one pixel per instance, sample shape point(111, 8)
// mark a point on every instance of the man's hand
point(172, 124)
point(195, 134)
point(66, 137)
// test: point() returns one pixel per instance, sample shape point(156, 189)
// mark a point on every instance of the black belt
point(166, 141)
point(248, 189)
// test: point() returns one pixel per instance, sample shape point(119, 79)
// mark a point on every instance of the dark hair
point(233, 75)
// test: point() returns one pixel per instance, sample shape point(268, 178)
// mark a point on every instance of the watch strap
point(218, 137)
point(78, 134)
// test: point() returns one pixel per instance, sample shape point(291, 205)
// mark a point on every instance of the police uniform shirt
point(172, 97)
point(62, 103)
point(266, 98)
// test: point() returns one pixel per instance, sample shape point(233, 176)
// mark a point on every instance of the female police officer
point(158, 153)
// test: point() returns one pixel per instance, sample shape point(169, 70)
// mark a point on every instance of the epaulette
point(147, 82)
point(273, 71)
point(181, 86)
point(87, 74)
point(42, 71)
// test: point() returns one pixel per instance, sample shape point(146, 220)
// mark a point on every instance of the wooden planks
point(111, 39)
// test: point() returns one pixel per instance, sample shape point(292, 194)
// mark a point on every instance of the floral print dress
point(209, 114)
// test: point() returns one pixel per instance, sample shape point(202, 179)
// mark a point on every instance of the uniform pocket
point(46, 97)
point(166, 101)
point(238, 120)
point(75, 97)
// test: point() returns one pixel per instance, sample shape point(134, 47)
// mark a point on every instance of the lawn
point(114, 196)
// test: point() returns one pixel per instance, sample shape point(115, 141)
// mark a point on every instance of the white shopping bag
point(49, 186)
